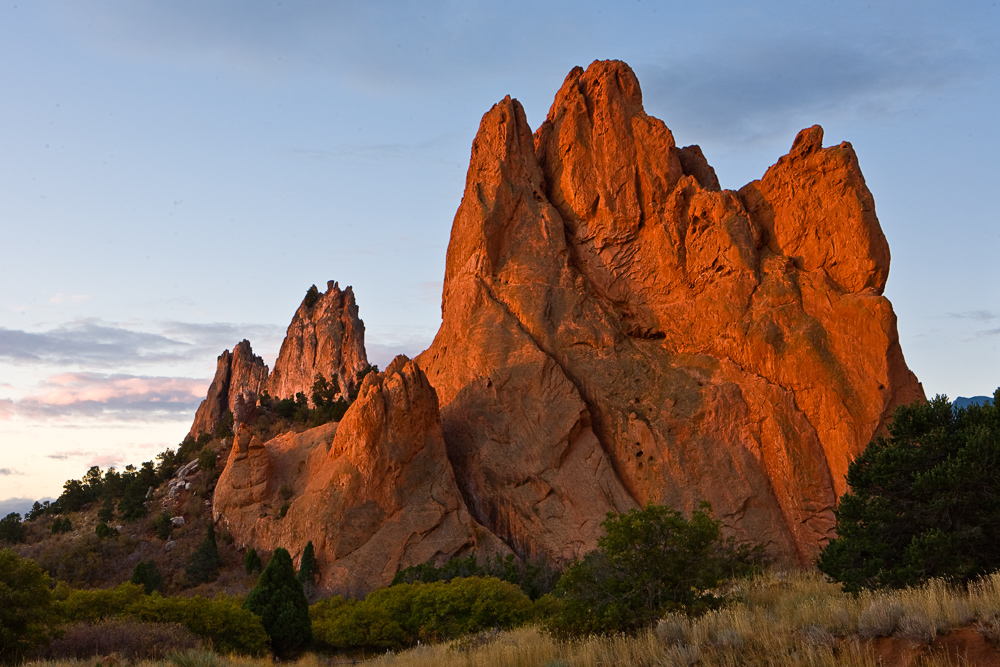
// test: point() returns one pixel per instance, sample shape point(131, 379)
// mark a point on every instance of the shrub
point(204, 565)
point(147, 575)
point(26, 615)
point(251, 561)
point(402, 615)
point(103, 530)
point(12, 530)
point(207, 459)
point(163, 526)
point(923, 502)
point(61, 525)
point(281, 604)
point(535, 577)
point(126, 639)
point(221, 620)
point(648, 562)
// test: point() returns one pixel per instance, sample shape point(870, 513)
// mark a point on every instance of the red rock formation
point(374, 494)
point(618, 330)
point(239, 371)
point(326, 336)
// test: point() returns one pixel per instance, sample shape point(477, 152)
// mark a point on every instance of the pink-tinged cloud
point(7, 408)
point(112, 396)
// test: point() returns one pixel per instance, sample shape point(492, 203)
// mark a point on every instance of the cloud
point(97, 344)
point(91, 342)
point(68, 298)
point(20, 505)
point(5, 472)
point(977, 315)
point(747, 91)
point(122, 397)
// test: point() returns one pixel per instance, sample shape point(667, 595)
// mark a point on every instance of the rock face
point(374, 493)
point(326, 336)
point(236, 372)
point(617, 330)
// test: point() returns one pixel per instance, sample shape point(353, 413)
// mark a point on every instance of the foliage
point(207, 459)
point(648, 562)
point(534, 577)
point(61, 525)
point(163, 526)
point(923, 502)
point(204, 565)
point(12, 530)
point(103, 530)
point(327, 405)
point(128, 640)
point(107, 511)
point(402, 615)
point(312, 296)
point(25, 606)
point(308, 569)
point(251, 561)
point(352, 395)
point(221, 620)
point(87, 560)
point(281, 604)
point(147, 575)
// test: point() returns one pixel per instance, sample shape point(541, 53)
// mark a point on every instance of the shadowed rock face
point(326, 336)
point(374, 493)
point(236, 372)
point(617, 330)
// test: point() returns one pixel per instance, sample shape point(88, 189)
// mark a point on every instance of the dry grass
point(776, 619)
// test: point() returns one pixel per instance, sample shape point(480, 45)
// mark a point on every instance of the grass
point(774, 619)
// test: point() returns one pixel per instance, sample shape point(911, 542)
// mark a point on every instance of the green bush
point(648, 562)
point(402, 615)
point(281, 604)
point(923, 502)
point(534, 577)
point(12, 530)
point(251, 561)
point(207, 459)
point(163, 526)
point(147, 575)
point(103, 530)
point(221, 620)
point(204, 565)
point(61, 525)
point(26, 616)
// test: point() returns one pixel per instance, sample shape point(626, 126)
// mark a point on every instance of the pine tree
point(204, 565)
point(282, 605)
point(251, 561)
point(308, 569)
point(147, 575)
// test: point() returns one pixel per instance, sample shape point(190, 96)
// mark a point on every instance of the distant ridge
point(963, 402)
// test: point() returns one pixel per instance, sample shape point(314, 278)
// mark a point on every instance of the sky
point(174, 175)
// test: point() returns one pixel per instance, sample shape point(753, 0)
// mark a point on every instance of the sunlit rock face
point(374, 493)
point(237, 372)
point(326, 337)
point(618, 330)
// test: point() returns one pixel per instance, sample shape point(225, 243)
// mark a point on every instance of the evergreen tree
point(251, 561)
point(147, 575)
point(204, 565)
point(11, 529)
point(923, 502)
point(26, 616)
point(280, 602)
point(308, 570)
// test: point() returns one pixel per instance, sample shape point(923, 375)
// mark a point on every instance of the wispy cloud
point(90, 458)
point(6, 472)
point(976, 315)
point(68, 298)
point(121, 397)
point(746, 91)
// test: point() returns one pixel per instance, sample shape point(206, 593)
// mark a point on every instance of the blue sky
point(174, 175)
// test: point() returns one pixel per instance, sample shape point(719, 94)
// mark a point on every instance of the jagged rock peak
point(617, 330)
point(237, 372)
point(374, 493)
point(326, 336)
